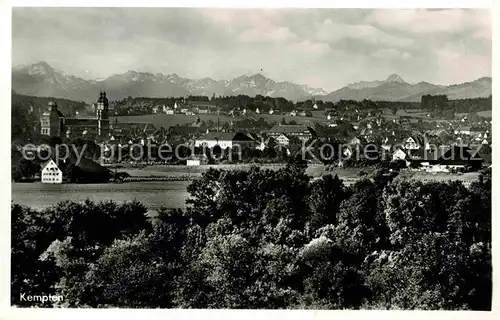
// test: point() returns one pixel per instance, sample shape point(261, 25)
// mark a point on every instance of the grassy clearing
point(167, 120)
point(485, 114)
point(439, 176)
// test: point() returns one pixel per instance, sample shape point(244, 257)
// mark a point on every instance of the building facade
point(51, 173)
point(302, 132)
point(55, 124)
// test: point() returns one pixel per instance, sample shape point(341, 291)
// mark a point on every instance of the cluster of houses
point(425, 144)
point(189, 108)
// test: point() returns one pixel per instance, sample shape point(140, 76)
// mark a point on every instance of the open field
point(439, 177)
point(170, 120)
point(173, 194)
point(313, 170)
point(178, 170)
point(167, 120)
point(485, 114)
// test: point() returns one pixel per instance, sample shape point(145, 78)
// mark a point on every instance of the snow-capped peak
point(395, 78)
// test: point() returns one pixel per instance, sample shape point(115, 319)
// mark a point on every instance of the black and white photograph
point(251, 158)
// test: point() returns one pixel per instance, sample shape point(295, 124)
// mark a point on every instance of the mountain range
point(40, 79)
point(394, 88)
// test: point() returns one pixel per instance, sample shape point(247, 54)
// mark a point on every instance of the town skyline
point(321, 48)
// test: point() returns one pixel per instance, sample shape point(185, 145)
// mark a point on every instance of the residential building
point(167, 109)
point(131, 129)
point(203, 107)
point(414, 142)
point(398, 154)
point(463, 130)
point(477, 132)
point(202, 110)
point(225, 140)
point(282, 140)
point(291, 130)
point(51, 173)
point(453, 157)
point(441, 134)
point(196, 160)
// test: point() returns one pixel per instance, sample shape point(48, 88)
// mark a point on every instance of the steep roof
point(88, 165)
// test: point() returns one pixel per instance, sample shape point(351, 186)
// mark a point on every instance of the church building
point(55, 124)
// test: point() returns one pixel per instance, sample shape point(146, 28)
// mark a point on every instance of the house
point(184, 110)
point(463, 130)
point(315, 106)
point(293, 113)
point(168, 110)
point(477, 132)
point(453, 157)
point(414, 142)
point(155, 109)
point(128, 129)
point(398, 154)
point(441, 134)
point(302, 132)
point(257, 111)
point(271, 111)
point(283, 140)
point(203, 107)
point(196, 160)
point(225, 140)
point(51, 173)
point(202, 110)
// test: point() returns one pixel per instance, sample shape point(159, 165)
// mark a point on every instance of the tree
point(326, 196)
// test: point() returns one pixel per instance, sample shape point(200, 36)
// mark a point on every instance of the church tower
point(102, 115)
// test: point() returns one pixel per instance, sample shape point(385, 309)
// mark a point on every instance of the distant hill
point(40, 79)
point(67, 107)
point(394, 88)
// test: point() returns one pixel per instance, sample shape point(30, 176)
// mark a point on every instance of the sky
point(326, 48)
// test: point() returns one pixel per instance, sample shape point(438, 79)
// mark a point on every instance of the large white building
point(225, 140)
point(51, 173)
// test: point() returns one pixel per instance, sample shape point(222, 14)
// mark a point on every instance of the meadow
point(169, 120)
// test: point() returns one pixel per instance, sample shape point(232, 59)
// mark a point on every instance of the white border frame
point(5, 95)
